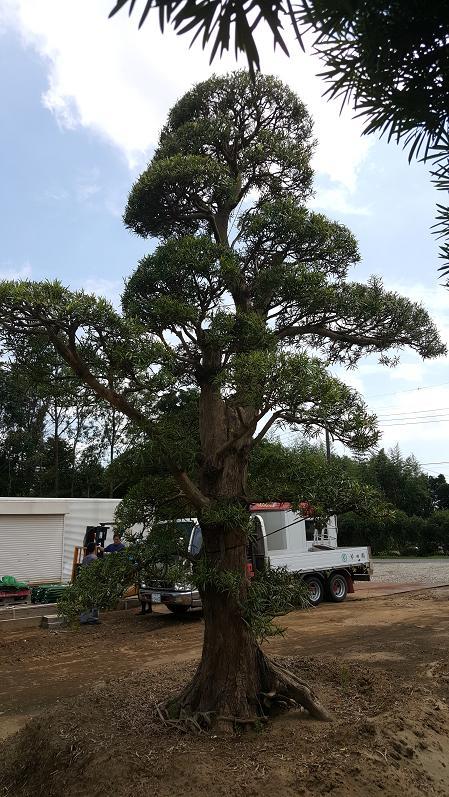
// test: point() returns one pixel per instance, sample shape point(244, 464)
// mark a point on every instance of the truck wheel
point(337, 587)
point(178, 609)
point(316, 589)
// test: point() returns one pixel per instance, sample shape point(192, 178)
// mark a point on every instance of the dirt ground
point(85, 703)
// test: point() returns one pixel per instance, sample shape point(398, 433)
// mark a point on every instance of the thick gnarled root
point(288, 691)
point(279, 689)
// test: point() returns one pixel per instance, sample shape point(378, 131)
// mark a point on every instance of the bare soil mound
point(389, 736)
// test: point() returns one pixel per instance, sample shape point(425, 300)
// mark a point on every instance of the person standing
point(90, 555)
point(91, 616)
point(116, 545)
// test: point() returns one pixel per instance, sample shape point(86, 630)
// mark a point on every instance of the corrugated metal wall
point(38, 535)
point(31, 547)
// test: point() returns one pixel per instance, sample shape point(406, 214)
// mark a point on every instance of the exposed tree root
point(279, 689)
point(287, 687)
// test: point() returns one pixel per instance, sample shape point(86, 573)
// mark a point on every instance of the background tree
point(390, 60)
point(439, 490)
point(48, 420)
point(400, 480)
point(278, 473)
point(244, 285)
point(418, 521)
point(22, 427)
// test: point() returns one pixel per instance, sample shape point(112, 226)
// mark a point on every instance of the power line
point(413, 423)
point(405, 419)
point(407, 390)
point(423, 419)
point(388, 423)
point(275, 531)
point(443, 462)
point(415, 412)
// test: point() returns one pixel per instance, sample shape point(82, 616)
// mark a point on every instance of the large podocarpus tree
point(244, 285)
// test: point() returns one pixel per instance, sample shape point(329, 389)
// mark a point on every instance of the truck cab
point(179, 598)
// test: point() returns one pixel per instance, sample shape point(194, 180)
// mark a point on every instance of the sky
point(83, 99)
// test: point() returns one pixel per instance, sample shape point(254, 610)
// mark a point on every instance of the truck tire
point(337, 587)
point(316, 589)
point(179, 610)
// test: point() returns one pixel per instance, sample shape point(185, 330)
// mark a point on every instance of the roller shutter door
point(31, 547)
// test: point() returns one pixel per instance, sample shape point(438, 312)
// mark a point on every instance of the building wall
point(77, 512)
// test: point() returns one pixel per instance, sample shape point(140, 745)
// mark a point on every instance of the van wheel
point(316, 589)
point(337, 588)
point(178, 609)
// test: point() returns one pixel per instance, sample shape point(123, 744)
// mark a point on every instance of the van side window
point(310, 530)
point(196, 542)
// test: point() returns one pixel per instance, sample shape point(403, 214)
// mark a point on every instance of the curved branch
point(342, 337)
point(118, 400)
point(275, 417)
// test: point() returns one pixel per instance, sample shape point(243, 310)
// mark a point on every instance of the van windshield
point(196, 542)
point(185, 529)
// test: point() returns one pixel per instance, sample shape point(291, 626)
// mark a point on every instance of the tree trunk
point(74, 450)
point(56, 452)
point(235, 683)
point(112, 451)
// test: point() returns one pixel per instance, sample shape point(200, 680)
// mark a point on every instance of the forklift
point(96, 534)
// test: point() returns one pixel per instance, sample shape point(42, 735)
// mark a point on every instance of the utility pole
point(328, 444)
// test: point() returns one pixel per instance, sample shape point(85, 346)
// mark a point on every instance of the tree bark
point(56, 450)
point(112, 450)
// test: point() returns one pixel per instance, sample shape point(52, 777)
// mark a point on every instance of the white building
point(38, 535)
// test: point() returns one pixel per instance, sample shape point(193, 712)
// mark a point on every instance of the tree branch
point(80, 368)
point(266, 428)
point(342, 337)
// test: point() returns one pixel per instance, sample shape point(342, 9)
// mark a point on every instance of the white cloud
point(338, 200)
point(8, 272)
point(107, 289)
point(108, 76)
point(409, 372)
point(55, 194)
point(87, 186)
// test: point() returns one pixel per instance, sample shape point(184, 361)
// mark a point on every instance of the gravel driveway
point(411, 571)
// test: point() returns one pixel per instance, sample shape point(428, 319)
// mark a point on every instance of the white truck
point(282, 538)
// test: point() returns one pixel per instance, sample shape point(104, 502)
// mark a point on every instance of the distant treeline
point(56, 440)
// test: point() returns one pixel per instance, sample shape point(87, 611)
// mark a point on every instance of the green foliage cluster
point(389, 59)
point(99, 585)
point(301, 473)
point(160, 554)
point(273, 592)
point(401, 533)
point(244, 303)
